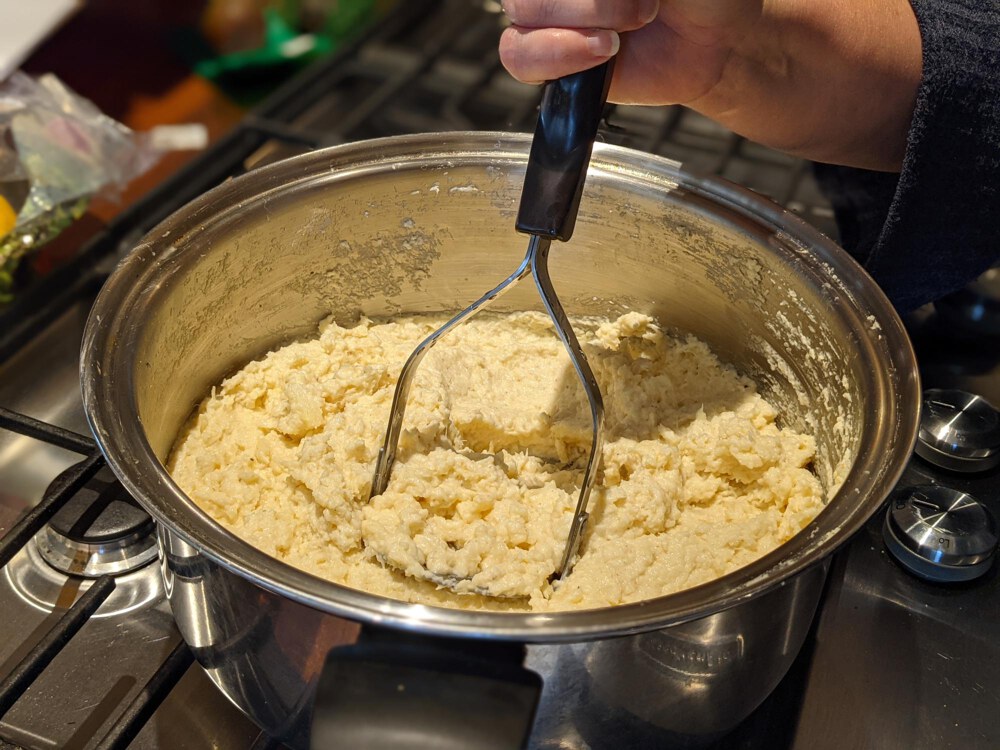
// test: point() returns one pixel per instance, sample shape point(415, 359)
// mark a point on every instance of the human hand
point(832, 81)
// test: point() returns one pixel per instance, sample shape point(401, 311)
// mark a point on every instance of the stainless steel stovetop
point(893, 661)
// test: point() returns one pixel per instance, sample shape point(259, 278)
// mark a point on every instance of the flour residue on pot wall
point(365, 264)
point(757, 314)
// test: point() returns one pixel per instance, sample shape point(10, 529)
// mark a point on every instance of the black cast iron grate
point(428, 66)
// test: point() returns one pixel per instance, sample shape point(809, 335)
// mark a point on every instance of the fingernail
point(603, 43)
point(654, 11)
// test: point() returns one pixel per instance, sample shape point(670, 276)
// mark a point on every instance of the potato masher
point(571, 109)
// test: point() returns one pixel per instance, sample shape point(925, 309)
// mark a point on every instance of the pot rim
point(109, 400)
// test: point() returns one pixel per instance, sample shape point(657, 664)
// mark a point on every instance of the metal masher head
point(570, 113)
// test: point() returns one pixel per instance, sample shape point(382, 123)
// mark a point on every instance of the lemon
point(8, 217)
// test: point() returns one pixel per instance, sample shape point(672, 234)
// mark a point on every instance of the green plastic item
point(284, 43)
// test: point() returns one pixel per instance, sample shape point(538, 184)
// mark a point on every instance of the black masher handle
point(570, 112)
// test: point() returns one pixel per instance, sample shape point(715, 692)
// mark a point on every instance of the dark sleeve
point(935, 226)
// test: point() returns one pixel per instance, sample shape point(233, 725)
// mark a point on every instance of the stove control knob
point(940, 534)
point(958, 431)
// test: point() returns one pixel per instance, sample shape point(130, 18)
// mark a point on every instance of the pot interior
point(410, 225)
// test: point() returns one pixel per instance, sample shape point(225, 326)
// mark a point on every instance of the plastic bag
point(57, 150)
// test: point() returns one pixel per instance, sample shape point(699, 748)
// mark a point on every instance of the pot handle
point(401, 691)
point(570, 112)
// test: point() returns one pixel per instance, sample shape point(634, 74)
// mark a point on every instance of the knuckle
point(526, 12)
point(620, 15)
point(636, 13)
point(547, 11)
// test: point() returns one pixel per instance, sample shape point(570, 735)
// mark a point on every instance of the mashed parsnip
point(697, 479)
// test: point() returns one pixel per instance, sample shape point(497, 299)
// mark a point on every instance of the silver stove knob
point(940, 534)
point(958, 431)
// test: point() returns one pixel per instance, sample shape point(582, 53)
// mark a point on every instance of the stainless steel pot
point(424, 223)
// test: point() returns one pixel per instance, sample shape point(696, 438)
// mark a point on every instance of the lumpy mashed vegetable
point(697, 480)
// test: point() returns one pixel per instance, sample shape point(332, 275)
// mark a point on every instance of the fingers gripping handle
point(560, 152)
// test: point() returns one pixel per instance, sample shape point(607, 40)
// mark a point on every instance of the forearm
point(833, 81)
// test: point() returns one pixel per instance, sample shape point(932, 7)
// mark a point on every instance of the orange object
point(8, 216)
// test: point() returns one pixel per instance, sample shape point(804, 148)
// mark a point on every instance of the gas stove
point(89, 654)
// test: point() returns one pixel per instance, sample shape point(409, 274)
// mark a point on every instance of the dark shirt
point(935, 226)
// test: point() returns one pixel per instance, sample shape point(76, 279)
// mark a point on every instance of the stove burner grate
point(99, 530)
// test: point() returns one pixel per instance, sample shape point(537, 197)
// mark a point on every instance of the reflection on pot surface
point(264, 651)
point(695, 679)
point(706, 676)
